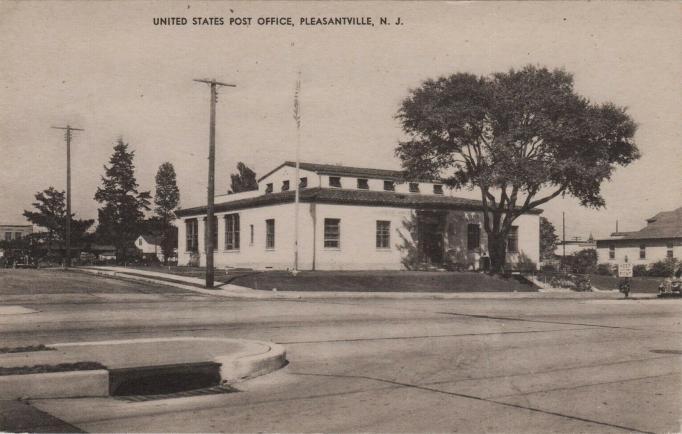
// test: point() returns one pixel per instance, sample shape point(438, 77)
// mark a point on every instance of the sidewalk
point(235, 291)
point(235, 358)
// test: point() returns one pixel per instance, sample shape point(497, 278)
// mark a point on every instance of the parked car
point(670, 286)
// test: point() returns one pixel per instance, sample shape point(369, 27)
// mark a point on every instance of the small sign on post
point(625, 270)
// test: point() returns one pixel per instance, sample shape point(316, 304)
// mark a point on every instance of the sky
point(105, 67)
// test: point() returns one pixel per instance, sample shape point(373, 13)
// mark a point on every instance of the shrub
point(525, 264)
point(194, 259)
point(548, 268)
point(640, 270)
point(664, 268)
point(583, 262)
point(604, 270)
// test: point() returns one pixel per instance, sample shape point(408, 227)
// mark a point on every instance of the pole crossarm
point(219, 83)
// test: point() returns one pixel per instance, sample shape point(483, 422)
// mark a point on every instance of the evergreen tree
point(166, 200)
point(51, 210)
point(548, 239)
point(243, 180)
point(121, 215)
point(51, 216)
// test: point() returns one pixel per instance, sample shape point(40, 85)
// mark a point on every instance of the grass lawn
point(56, 281)
point(44, 369)
point(637, 284)
point(358, 281)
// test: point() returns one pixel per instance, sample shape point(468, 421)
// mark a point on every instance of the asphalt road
point(465, 365)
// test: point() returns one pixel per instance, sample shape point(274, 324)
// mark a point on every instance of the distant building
point(574, 246)
point(661, 238)
point(350, 218)
point(15, 232)
point(149, 245)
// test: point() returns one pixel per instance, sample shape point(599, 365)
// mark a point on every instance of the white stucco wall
point(357, 248)
point(347, 182)
point(529, 238)
point(287, 173)
point(656, 250)
point(255, 255)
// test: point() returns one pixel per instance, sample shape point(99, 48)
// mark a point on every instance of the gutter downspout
point(313, 213)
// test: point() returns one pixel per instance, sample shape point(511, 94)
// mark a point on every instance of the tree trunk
point(49, 243)
point(164, 240)
point(497, 246)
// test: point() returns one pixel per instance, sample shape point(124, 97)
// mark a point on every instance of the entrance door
point(431, 226)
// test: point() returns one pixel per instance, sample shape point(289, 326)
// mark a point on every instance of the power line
point(67, 136)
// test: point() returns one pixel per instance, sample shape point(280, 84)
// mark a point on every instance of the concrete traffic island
point(135, 363)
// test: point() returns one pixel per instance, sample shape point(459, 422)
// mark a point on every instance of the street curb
point(235, 370)
point(96, 383)
point(235, 291)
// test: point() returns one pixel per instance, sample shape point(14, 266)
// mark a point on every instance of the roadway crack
point(580, 386)
point(431, 336)
point(505, 318)
point(478, 398)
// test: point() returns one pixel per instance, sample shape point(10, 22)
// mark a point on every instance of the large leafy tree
point(521, 137)
point(50, 214)
point(243, 180)
point(122, 212)
point(548, 238)
point(166, 199)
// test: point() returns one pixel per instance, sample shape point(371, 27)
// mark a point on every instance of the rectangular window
point(191, 235)
point(389, 186)
point(473, 236)
point(612, 251)
point(513, 240)
point(437, 189)
point(285, 185)
point(17, 235)
point(332, 233)
point(214, 233)
point(669, 252)
point(303, 183)
point(251, 239)
point(268, 188)
point(414, 187)
point(383, 234)
point(642, 251)
point(270, 233)
point(232, 232)
point(335, 181)
point(8, 236)
point(363, 184)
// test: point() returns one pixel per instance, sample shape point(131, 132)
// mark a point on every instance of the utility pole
point(211, 180)
point(67, 135)
point(563, 229)
point(297, 180)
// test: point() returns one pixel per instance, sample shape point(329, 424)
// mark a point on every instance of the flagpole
point(297, 181)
